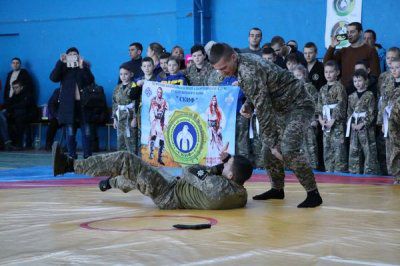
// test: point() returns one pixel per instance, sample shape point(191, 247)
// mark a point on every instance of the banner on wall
point(339, 13)
point(187, 124)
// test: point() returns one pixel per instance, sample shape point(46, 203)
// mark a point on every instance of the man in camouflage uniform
point(273, 92)
point(199, 187)
point(361, 112)
point(199, 71)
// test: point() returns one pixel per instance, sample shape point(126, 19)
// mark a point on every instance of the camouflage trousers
point(362, 155)
point(393, 143)
point(125, 143)
point(335, 158)
point(296, 122)
point(381, 151)
point(311, 146)
point(242, 145)
point(128, 172)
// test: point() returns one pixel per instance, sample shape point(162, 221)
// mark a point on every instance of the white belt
point(326, 113)
point(125, 108)
point(386, 116)
point(251, 132)
point(356, 116)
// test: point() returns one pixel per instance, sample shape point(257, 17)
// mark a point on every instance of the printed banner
point(339, 13)
point(187, 124)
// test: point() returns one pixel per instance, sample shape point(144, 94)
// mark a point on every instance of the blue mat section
point(35, 173)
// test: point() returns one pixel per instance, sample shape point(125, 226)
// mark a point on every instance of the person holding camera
point(348, 56)
point(74, 75)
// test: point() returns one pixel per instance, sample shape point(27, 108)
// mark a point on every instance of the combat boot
point(160, 152)
point(61, 162)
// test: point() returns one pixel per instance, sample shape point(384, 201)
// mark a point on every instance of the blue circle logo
point(185, 137)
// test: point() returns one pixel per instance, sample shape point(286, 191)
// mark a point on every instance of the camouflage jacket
point(310, 88)
point(383, 80)
point(389, 93)
point(199, 77)
point(214, 78)
point(201, 188)
point(335, 95)
point(125, 96)
point(360, 105)
point(271, 90)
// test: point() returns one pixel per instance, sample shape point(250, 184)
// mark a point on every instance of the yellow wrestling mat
point(356, 225)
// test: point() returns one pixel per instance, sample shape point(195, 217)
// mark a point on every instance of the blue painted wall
point(102, 30)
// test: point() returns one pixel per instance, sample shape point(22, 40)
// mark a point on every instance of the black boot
point(160, 152)
point(61, 162)
point(313, 200)
point(273, 193)
point(105, 184)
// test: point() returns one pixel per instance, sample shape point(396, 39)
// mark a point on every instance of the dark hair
point(242, 169)
point(126, 67)
point(179, 48)
point(332, 63)
point(72, 49)
point(311, 45)
point(255, 28)
point(277, 39)
point(363, 62)
point(196, 48)
point(165, 55)
point(218, 51)
point(357, 25)
point(266, 45)
point(292, 58)
point(268, 51)
point(176, 59)
point(138, 45)
point(360, 73)
point(16, 58)
point(157, 48)
point(148, 59)
point(372, 32)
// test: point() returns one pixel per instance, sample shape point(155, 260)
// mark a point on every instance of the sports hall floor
point(46, 220)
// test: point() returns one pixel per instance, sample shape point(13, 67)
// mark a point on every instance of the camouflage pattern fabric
point(199, 77)
point(394, 141)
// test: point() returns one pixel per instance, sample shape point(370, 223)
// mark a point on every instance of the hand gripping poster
point(339, 13)
point(183, 125)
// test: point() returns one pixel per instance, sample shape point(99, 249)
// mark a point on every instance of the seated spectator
point(4, 137)
point(370, 38)
point(18, 112)
point(52, 104)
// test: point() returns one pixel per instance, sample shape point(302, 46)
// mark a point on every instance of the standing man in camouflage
point(199, 187)
point(274, 92)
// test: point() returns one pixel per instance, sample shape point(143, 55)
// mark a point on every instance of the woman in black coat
point(73, 79)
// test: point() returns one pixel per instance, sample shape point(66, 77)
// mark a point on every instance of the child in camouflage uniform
point(125, 98)
point(361, 115)
point(332, 101)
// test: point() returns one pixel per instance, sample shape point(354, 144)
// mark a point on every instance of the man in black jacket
point(74, 76)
